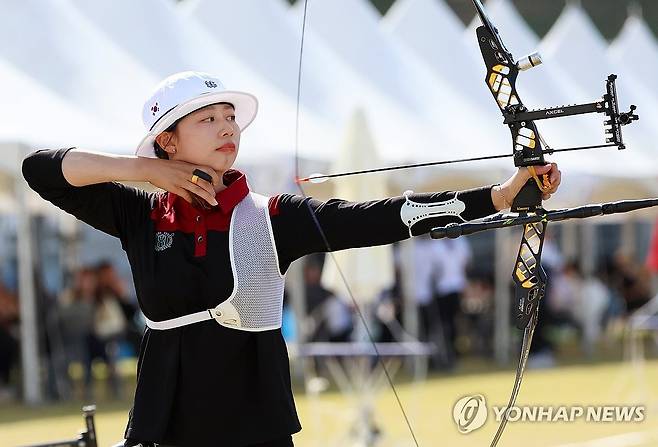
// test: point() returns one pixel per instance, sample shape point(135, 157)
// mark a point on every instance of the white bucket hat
point(181, 94)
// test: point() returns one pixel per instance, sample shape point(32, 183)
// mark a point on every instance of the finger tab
point(202, 174)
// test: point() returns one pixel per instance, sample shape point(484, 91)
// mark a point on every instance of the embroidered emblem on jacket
point(163, 240)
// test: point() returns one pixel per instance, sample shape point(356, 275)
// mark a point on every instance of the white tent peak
point(635, 47)
point(635, 10)
point(576, 45)
point(332, 93)
point(574, 29)
point(540, 87)
point(358, 149)
point(635, 31)
point(424, 15)
point(368, 272)
point(178, 43)
point(272, 48)
point(355, 43)
point(183, 44)
point(388, 64)
point(57, 45)
point(432, 31)
point(40, 118)
point(519, 38)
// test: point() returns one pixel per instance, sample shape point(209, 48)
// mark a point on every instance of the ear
point(167, 141)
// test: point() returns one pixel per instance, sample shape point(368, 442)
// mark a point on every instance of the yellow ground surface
point(327, 418)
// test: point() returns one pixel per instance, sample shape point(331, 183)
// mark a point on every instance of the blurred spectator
point(425, 270)
point(329, 316)
point(451, 259)
point(388, 310)
point(565, 289)
point(76, 321)
point(110, 284)
point(631, 280)
point(8, 343)
point(316, 296)
point(652, 257)
point(477, 306)
point(592, 304)
point(338, 316)
point(110, 324)
point(581, 301)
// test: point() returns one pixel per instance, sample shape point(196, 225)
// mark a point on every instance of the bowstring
point(326, 240)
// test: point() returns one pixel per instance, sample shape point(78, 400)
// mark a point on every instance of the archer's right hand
point(176, 177)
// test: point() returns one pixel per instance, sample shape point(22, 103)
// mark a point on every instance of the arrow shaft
point(547, 151)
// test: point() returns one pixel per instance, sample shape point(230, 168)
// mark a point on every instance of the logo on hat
point(211, 84)
point(155, 108)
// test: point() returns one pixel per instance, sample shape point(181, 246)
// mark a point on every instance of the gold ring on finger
point(195, 179)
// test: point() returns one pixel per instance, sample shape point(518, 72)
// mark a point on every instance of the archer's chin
point(222, 161)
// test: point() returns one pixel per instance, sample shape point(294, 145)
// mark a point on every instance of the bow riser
point(501, 82)
point(528, 275)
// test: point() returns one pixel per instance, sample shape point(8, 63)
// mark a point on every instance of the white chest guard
point(256, 303)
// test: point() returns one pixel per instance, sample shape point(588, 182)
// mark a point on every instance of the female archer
point(208, 258)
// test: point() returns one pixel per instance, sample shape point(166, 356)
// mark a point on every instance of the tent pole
point(32, 392)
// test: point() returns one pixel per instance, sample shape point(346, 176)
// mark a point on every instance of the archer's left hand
point(549, 175)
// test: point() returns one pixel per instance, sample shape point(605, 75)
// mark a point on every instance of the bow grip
point(528, 199)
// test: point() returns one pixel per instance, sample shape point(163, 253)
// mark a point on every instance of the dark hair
point(159, 150)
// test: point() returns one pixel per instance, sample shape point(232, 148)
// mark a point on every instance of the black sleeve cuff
point(43, 170)
point(477, 203)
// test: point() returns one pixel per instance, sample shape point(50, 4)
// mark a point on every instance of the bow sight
point(608, 105)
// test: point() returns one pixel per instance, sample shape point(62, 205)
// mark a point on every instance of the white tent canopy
point(272, 50)
point(636, 49)
point(181, 44)
point(419, 109)
point(332, 94)
point(364, 46)
point(57, 46)
point(433, 32)
point(37, 117)
point(34, 117)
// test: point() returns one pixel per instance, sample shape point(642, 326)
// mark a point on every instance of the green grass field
point(327, 418)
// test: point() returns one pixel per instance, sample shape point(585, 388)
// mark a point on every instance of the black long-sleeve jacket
point(204, 382)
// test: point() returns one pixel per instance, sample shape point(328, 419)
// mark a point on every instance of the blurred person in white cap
point(207, 248)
